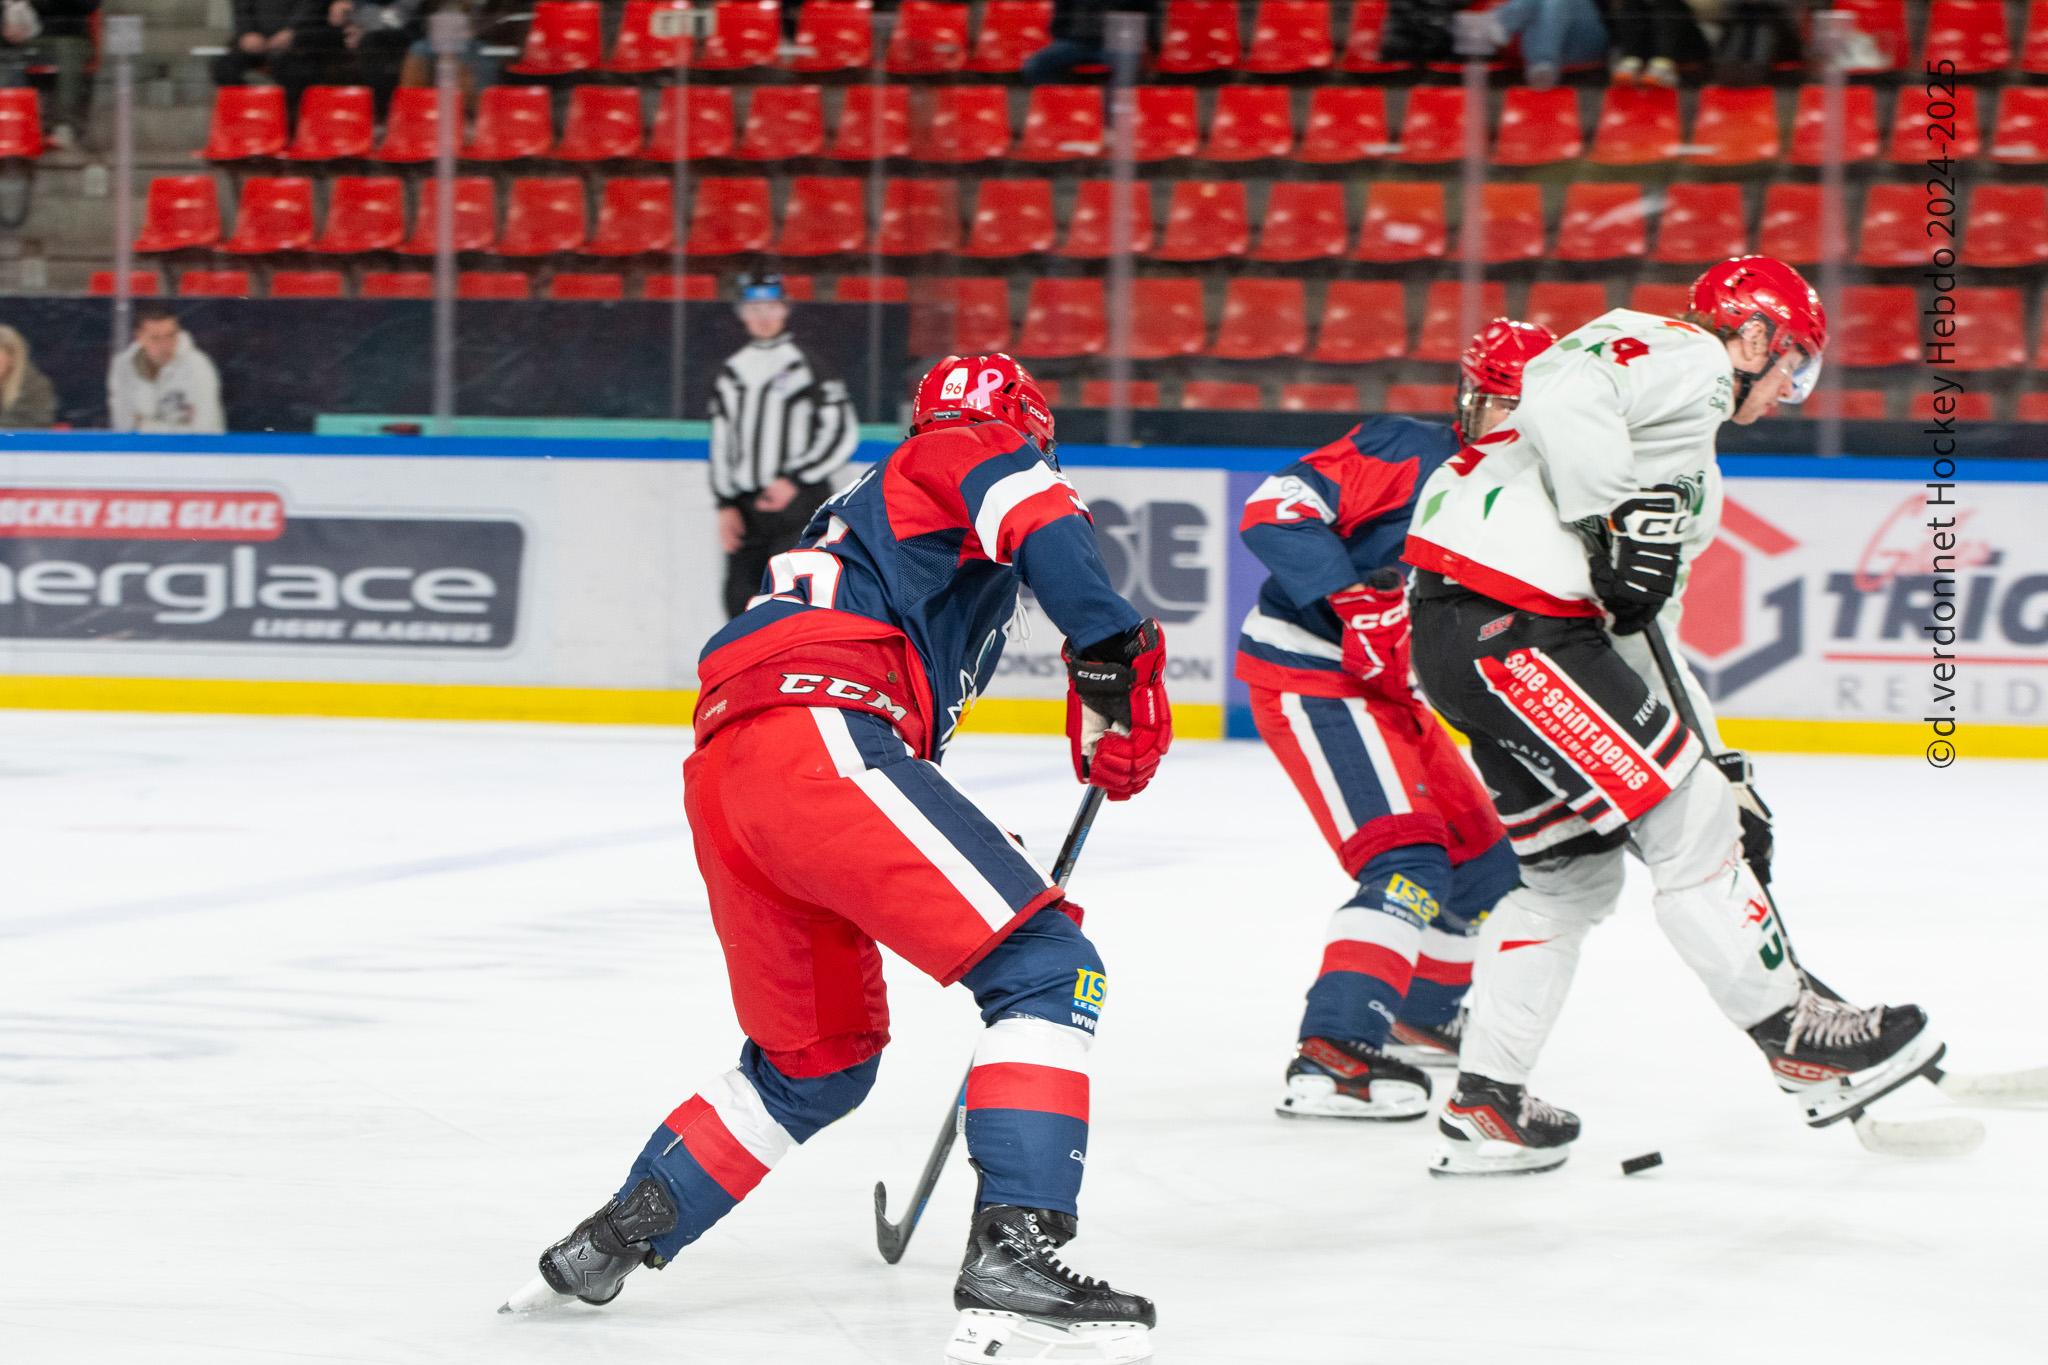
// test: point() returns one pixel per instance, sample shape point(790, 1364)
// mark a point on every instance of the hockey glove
point(1756, 816)
point(1636, 570)
point(1375, 621)
point(1118, 722)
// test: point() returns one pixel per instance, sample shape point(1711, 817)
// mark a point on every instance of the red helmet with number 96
point(976, 388)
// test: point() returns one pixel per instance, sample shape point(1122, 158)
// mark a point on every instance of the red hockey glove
point(1375, 621)
point(1117, 717)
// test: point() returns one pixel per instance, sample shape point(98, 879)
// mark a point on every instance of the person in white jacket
point(162, 383)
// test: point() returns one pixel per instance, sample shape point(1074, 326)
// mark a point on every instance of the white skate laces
point(1043, 1244)
point(1537, 1111)
point(1832, 1023)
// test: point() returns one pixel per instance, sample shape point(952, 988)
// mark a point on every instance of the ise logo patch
point(1089, 989)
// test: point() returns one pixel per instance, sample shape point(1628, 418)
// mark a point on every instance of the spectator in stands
point(286, 39)
point(1078, 39)
point(27, 401)
point(19, 27)
point(1555, 34)
point(1755, 36)
point(1651, 39)
point(67, 44)
point(377, 36)
point(163, 383)
point(478, 69)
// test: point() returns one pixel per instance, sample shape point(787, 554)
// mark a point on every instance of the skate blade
point(982, 1336)
point(1495, 1158)
point(1315, 1097)
point(1848, 1096)
point(534, 1297)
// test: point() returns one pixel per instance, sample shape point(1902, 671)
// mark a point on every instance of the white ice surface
point(312, 1034)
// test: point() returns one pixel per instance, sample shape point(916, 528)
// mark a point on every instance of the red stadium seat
point(1851, 405)
point(1910, 141)
point(1663, 300)
point(1735, 125)
point(1206, 220)
point(1883, 26)
point(874, 120)
point(1251, 123)
point(1168, 318)
point(1564, 307)
point(2041, 353)
point(826, 216)
point(1427, 400)
point(181, 211)
point(707, 123)
point(502, 285)
point(1638, 125)
point(834, 35)
point(1404, 221)
point(1062, 123)
point(335, 122)
point(1220, 395)
point(1011, 31)
point(1539, 127)
point(744, 34)
point(2034, 51)
point(21, 126)
point(1319, 398)
point(965, 123)
point(1363, 321)
point(2033, 407)
point(930, 38)
point(412, 126)
point(652, 37)
point(603, 124)
point(1088, 225)
point(1063, 318)
point(871, 289)
point(1362, 46)
point(1894, 226)
point(248, 121)
point(476, 216)
point(784, 121)
point(566, 36)
point(142, 284)
point(1442, 338)
point(1964, 407)
point(1345, 123)
point(214, 284)
point(1970, 33)
point(1290, 35)
point(2021, 136)
point(364, 213)
point(543, 216)
point(2007, 226)
point(1602, 222)
point(1511, 222)
point(1304, 222)
point(671, 288)
point(1262, 320)
point(1101, 393)
point(920, 217)
point(1012, 217)
point(635, 217)
point(1859, 125)
point(800, 288)
point(971, 316)
point(1701, 224)
point(395, 284)
point(1433, 125)
point(1790, 229)
point(513, 123)
point(1198, 36)
point(1991, 333)
point(582, 287)
point(275, 213)
point(306, 284)
point(1166, 126)
point(1879, 326)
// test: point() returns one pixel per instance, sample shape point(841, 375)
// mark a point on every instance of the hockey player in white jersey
point(1543, 551)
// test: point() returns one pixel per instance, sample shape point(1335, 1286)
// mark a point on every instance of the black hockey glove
point(1635, 564)
point(1756, 816)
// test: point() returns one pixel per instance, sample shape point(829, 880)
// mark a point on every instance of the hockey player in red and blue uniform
point(1325, 654)
point(824, 827)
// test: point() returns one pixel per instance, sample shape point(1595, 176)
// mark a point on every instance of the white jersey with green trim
point(1627, 402)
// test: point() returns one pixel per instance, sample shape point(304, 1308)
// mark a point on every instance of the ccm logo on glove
point(1118, 722)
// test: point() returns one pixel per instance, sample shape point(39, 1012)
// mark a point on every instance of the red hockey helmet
point(1745, 289)
point(1492, 365)
point(977, 388)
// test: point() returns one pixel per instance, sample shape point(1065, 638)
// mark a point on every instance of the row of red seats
point(1636, 125)
point(2004, 225)
point(21, 125)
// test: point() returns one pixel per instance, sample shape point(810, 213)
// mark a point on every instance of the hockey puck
point(1635, 1165)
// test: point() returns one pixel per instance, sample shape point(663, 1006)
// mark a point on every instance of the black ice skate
point(1331, 1079)
point(592, 1262)
point(1428, 1044)
point(1017, 1301)
point(1493, 1128)
point(1836, 1058)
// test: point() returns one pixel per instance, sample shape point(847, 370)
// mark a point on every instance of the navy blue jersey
point(934, 543)
point(1322, 524)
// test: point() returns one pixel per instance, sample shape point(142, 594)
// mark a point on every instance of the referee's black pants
point(766, 535)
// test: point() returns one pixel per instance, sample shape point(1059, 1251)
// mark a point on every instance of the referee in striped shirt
point(778, 432)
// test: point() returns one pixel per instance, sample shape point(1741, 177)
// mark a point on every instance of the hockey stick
point(1953, 1136)
point(893, 1239)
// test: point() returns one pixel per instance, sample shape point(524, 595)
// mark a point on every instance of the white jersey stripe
point(1007, 494)
point(1356, 924)
point(1318, 765)
point(1290, 637)
point(1391, 785)
point(1034, 1042)
point(949, 861)
point(838, 737)
point(739, 1107)
point(1445, 946)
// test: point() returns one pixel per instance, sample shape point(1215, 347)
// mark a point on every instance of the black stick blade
point(889, 1239)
